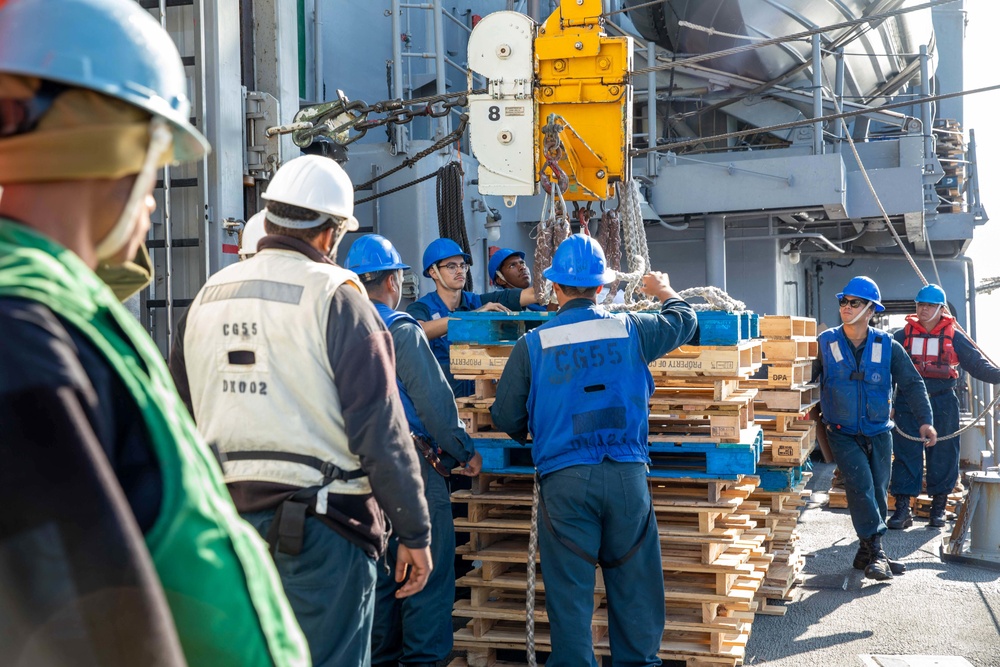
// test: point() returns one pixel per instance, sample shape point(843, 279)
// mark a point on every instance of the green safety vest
point(220, 582)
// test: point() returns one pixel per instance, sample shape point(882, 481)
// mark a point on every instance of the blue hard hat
point(865, 288)
point(114, 47)
point(372, 252)
point(442, 249)
point(498, 258)
point(931, 294)
point(579, 262)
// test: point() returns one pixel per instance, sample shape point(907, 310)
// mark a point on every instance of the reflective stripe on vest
point(257, 362)
point(856, 399)
point(223, 590)
point(933, 352)
point(590, 390)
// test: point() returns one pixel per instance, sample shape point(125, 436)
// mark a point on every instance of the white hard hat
point(253, 232)
point(315, 183)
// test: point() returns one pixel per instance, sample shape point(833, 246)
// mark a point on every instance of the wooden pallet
point(782, 478)
point(782, 376)
point(837, 499)
point(697, 453)
point(718, 388)
point(472, 361)
point(720, 328)
point(733, 361)
point(792, 446)
point(793, 399)
point(921, 505)
point(693, 650)
point(786, 326)
point(491, 328)
point(727, 418)
point(479, 360)
point(798, 348)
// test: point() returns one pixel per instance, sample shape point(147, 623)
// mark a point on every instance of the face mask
point(129, 278)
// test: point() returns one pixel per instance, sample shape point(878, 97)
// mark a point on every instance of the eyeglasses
point(453, 267)
point(853, 303)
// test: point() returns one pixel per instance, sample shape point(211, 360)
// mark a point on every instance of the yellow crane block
point(585, 88)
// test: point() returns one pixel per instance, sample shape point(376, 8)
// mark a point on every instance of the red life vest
point(932, 352)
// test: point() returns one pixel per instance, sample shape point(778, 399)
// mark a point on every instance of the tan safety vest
point(256, 355)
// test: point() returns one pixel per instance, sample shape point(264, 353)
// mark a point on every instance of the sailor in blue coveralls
point(416, 630)
point(447, 264)
point(580, 384)
point(860, 366)
point(937, 349)
point(508, 270)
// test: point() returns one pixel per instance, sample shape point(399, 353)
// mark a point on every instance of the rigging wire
point(789, 38)
point(810, 121)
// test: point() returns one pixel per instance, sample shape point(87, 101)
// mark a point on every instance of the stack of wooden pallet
point(704, 444)
point(786, 396)
point(786, 391)
point(713, 563)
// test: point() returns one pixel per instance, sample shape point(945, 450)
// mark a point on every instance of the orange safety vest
point(932, 352)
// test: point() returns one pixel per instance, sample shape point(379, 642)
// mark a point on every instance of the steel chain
point(336, 120)
point(448, 139)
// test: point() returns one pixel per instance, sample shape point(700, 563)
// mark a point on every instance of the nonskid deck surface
point(836, 616)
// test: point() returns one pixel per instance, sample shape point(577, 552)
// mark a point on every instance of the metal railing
point(981, 395)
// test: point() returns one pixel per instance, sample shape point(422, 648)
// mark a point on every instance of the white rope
point(529, 630)
point(634, 231)
point(717, 299)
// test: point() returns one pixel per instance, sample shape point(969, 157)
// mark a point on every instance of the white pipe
point(651, 131)
point(320, 94)
point(817, 64)
point(397, 67)
point(442, 88)
point(715, 250)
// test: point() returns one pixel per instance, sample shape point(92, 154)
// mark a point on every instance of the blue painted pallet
point(720, 328)
point(750, 325)
point(505, 456)
point(669, 459)
point(774, 478)
point(715, 327)
point(493, 328)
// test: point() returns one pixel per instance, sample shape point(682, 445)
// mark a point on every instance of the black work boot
point(878, 567)
point(864, 555)
point(901, 517)
point(938, 504)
